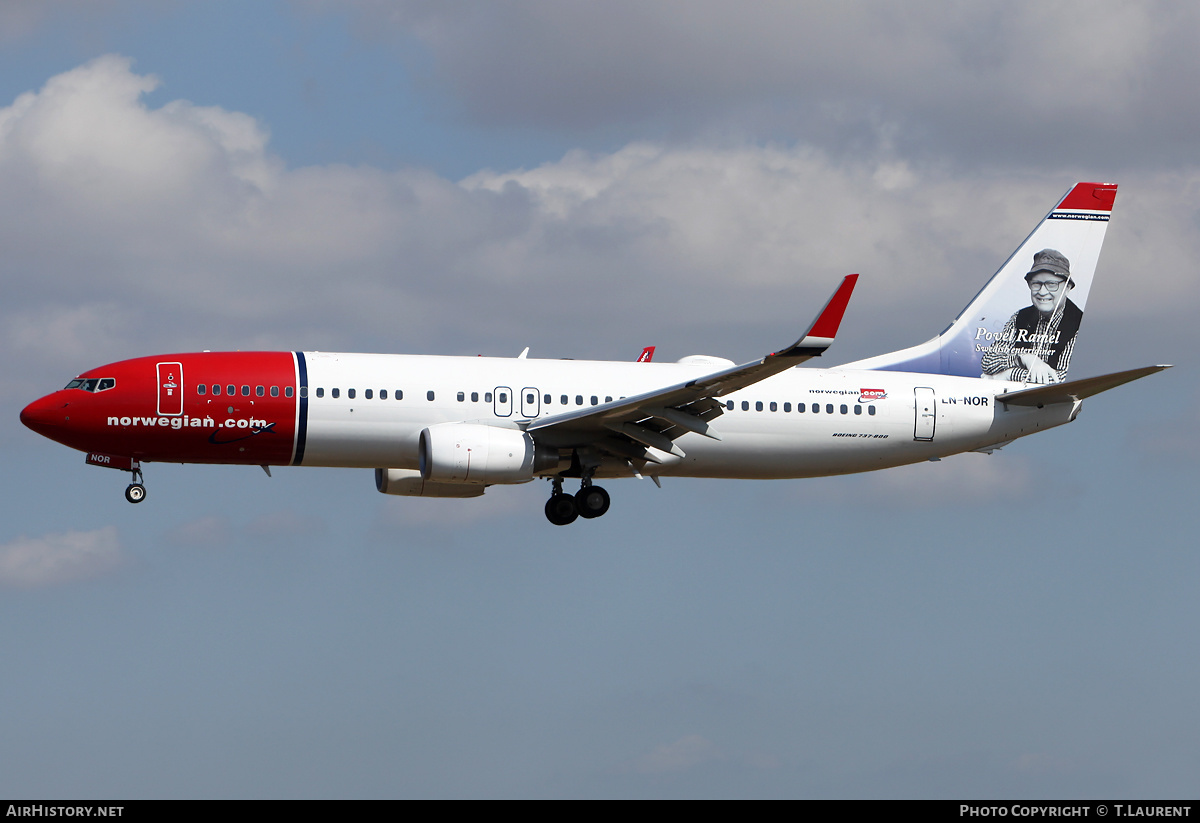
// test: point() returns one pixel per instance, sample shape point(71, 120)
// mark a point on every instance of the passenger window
point(399, 394)
point(844, 410)
point(563, 400)
point(201, 388)
point(368, 394)
point(503, 397)
point(758, 405)
point(274, 391)
point(487, 397)
point(801, 408)
point(334, 392)
point(474, 397)
point(530, 398)
point(829, 408)
point(774, 407)
point(245, 391)
point(429, 395)
point(461, 397)
point(579, 400)
point(787, 407)
point(595, 399)
point(745, 405)
point(871, 410)
point(546, 399)
point(383, 394)
point(729, 405)
point(350, 394)
point(216, 390)
point(320, 392)
point(858, 409)
point(231, 390)
point(816, 408)
point(259, 391)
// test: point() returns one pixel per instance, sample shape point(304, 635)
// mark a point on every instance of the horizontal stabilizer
point(1074, 390)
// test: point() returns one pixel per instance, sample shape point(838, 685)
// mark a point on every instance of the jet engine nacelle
point(408, 482)
point(474, 453)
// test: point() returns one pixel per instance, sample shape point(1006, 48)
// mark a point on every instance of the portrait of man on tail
point(1036, 343)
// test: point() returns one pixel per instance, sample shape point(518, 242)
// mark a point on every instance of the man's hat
point(1052, 261)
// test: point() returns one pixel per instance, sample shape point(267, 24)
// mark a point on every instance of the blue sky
point(587, 180)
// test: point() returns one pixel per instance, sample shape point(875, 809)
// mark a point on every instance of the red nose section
point(47, 416)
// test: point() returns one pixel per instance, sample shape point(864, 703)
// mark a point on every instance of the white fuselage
point(863, 420)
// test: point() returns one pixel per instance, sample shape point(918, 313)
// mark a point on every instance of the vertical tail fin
point(1022, 324)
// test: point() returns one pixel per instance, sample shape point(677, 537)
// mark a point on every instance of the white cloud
point(964, 478)
point(680, 756)
point(32, 562)
point(980, 81)
point(211, 531)
point(128, 229)
point(69, 332)
point(495, 503)
point(284, 525)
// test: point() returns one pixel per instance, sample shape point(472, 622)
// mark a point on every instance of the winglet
point(647, 355)
point(824, 329)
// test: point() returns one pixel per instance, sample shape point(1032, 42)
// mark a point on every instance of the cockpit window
point(92, 384)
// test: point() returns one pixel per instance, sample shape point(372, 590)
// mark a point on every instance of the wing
point(633, 426)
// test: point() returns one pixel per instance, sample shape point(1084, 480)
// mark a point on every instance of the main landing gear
point(590, 501)
point(135, 492)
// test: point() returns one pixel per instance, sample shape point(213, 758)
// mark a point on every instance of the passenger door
point(531, 402)
point(503, 401)
point(926, 414)
point(170, 389)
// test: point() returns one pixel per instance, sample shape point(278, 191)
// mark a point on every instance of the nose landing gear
point(590, 501)
point(135, 492)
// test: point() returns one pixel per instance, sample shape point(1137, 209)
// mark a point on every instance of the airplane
point(439, 426)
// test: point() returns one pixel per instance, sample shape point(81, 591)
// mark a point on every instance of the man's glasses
point(1051, 286)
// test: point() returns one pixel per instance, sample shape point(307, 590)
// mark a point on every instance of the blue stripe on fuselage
point(302, 419)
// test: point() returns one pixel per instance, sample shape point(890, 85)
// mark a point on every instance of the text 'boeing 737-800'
point(452, 426)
